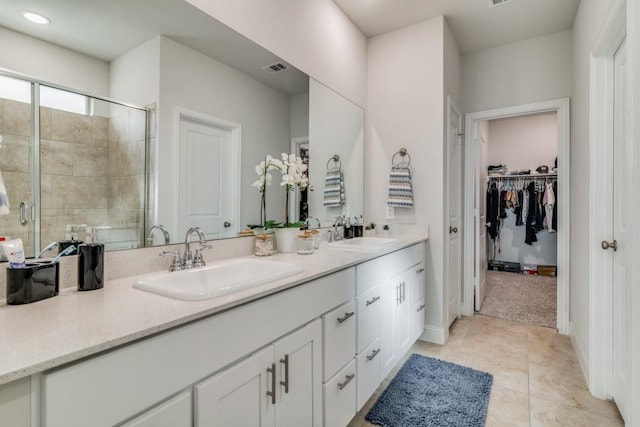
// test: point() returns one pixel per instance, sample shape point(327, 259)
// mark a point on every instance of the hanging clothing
point(532, 208)
point(554, 222)
point(549, 205)
point(519, 208)
point(493, 211)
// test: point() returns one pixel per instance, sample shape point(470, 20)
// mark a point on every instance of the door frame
point(179, 114)
point(561, 107)
point(600, 369)
point(453, 106)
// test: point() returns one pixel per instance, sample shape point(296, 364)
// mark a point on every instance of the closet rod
point(537, 175)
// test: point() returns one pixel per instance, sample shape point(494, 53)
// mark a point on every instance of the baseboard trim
point(433, 334)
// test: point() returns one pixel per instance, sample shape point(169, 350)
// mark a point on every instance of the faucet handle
point(176, 263)
point(198, 261)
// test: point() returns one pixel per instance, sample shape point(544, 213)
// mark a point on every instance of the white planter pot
point(287, 239)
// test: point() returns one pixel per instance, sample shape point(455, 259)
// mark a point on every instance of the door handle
point(371, 301)
point(22, 213)
point(610, 245)
point(346, 381)
point(346, 316)
point(272, 393)
point(227, 224)
point(453, 229)
point(373, 355)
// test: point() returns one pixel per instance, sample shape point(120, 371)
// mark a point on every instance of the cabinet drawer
point(340, 397)
point(368, 370)
point(376, 271)
point(175, 412)
point(339, 333)
point(368, 318)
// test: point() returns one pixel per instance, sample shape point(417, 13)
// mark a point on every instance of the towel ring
point(336, 159)
point(402, 152)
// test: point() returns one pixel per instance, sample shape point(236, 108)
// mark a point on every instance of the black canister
point(90, 266)
point(31, 283)
point(358, 230)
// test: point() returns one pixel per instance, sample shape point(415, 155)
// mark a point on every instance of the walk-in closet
point(519, 169)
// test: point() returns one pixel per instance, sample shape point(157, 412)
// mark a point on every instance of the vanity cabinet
point(278, 386)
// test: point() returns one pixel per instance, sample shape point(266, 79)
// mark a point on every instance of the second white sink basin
point(363, 244)
point(217, 279)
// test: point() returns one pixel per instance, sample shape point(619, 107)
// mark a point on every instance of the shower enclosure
point(70, 159)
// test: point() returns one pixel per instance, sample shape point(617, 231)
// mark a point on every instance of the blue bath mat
point(432, 392)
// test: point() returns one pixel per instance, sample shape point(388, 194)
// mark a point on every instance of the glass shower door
point(17, 161)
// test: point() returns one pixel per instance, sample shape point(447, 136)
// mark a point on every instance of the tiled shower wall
point(92, 172)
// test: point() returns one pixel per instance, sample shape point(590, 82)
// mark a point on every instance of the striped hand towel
point(400, 192)
point(334, 188)
point(4, 200)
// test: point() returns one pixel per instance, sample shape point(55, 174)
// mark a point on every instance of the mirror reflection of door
point(301, 149)
point(206, 167)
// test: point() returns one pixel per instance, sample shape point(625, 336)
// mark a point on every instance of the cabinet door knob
point(346, 316)
point(610, 245)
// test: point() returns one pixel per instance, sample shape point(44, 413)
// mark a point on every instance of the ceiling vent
point(275, 68)
point(494, 3)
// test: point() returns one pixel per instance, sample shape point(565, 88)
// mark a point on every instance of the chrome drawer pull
point(371, 301)
point(420, 308)
point(346, 316)
point(272, 393)
point(420, 270)
point(285, 383)
point(373, 355)
point(347, 381)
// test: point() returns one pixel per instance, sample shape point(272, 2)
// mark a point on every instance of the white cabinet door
point(368, 370)
point(368, 318)
point(390, 296)
point(340, 397)
point(339, 338)
point(405, 282)
point(299, 360)
point(176, 412)
point(237, 397)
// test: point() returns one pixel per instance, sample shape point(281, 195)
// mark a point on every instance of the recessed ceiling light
point(36, 18)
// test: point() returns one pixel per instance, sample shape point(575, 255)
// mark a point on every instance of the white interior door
point(480, 219)
point(455, 193)
point(621, 179)
point(205, 168)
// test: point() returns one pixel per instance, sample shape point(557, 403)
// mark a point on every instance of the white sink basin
point(217, 279)
point(363, 244)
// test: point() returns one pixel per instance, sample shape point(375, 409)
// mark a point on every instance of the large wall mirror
point(173, 111)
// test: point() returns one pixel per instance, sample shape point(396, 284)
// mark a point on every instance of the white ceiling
point(475, 24)
point(106, 29)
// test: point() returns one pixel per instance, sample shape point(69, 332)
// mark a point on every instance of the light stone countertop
point(52, 332)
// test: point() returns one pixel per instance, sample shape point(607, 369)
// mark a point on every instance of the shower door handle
point(23, 213)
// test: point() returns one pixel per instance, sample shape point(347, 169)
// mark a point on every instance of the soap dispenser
point(70, 239)
point(91, 262)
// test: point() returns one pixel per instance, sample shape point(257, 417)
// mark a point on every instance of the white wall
point(198, 83)
point(312, 35)
point(587, 25)
point(135, 76)
point(533, 70)
point(405, 92)
point(52, 63)
point(336, 126)
point(524, 142)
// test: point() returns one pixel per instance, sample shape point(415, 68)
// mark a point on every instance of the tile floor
point(536, 377)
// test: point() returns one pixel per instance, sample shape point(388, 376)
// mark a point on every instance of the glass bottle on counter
point(264, 245)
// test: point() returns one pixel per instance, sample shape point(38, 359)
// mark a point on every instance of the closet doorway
point(507, 242)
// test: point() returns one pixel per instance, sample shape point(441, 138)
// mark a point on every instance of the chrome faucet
point(335, 234)
point(314, 218)
point(190, 260)
point(164, 230)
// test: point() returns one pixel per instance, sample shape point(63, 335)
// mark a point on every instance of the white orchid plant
point(293, 173)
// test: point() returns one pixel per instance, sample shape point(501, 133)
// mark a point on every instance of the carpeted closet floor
point(521, 297)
